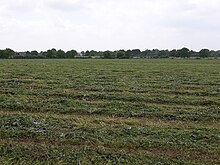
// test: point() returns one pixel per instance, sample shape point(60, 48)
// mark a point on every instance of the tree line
point(119, 54)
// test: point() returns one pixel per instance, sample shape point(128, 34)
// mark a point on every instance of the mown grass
point(163, 111)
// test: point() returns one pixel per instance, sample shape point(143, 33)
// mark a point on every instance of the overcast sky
point(109, 24)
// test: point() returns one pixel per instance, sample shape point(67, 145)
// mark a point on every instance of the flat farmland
point(90, 111)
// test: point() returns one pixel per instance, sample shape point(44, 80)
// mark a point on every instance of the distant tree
point(71, 53)
point(146, 53)
point(173, 53)
point(93, 53)
point(34, 53)
point(163, 54)
point(120, 54)
point(108, 55)
point(155, 53)
point(128, 54)
point(60, 54)
point(7, 53)
point(87, 53)
point(193, 53)
point(2, 54)
point(215, 53)
point(136, 52)
point(82, 53)
point(184, 52)
point(51, 53)
point(28, 53)
point(204, 53)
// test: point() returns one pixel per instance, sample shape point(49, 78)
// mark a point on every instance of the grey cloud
point(109, 24)
point(19, 5)
point(66, 6)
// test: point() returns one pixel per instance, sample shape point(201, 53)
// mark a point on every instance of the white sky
point(109, 24)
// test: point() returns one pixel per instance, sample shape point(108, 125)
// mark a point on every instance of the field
point(159, 111)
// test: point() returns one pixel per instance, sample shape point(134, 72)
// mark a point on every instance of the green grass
point(163, 111)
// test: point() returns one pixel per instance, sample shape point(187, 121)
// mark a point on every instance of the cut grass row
point(127, 135)
point(113, 108)
point(110, 111)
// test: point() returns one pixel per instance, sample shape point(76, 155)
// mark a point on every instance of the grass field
point(164, 111)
